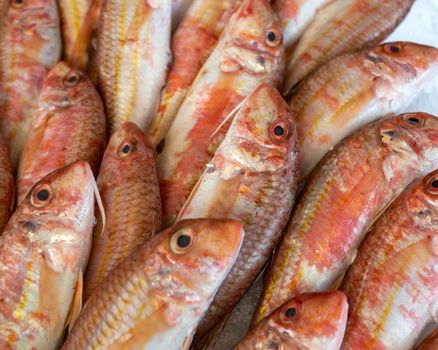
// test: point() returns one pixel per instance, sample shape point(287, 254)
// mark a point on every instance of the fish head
point(60, 207)
point(33, 14)
point(253, 40)
point(203, 251)
point(422, 202)
point(412, 137)
point(128, 151)
point(315, 320)
point(65, 87)
point(405, 63)
point(262, 136)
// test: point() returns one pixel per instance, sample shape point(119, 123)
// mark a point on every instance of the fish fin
point(76, 304)
point(101, 208)
point(79, 54)
point(231, 115)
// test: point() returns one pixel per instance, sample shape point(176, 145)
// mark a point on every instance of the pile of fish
point(158, 156)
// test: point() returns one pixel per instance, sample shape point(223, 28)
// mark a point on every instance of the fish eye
point(126, 148)
point(432, 185)
point(290, 312)
point(182, 241)
point(41, 195)
point(17, 3)
point(392, 48)
point(279, 130)
point(71, 79)
point(414, 120)
point(273, 37)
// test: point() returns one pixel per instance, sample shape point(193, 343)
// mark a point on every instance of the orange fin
point(76, 304)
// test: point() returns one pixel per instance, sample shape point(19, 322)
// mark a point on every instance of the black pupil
point(183, 241)
point(394, 49)
point(272, 37)
point(126, 149)
point(291, 312)
point(279, 130)
point(435, 183)
point(414, 120)
point(43, 195)
point(73, 79)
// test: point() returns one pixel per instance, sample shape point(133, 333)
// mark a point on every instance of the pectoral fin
point(76, 305)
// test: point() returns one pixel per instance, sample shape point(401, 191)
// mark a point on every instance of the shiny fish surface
point(296, 15)
point(30, 46)
point(156, 297)
point(69, 125)
point(249, 52)
point(73, 14)
point(192, 43)
point(310, 321)
point(128, 186)
point(341, 27)
point(134, 52)
point(345, 193)
point(251, 178)
point(355, 89)
point(392, 287)
point(43, 253)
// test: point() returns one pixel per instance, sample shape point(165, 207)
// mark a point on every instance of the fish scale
point(344, 195)
point(31, 45)
point(251, 178)
point(340, 27)
point(155, 298)
point(129, 188)
point(393, 280)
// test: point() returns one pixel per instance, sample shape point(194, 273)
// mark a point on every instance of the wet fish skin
point(156, 297)
point(296, 16)
point(134, 51)
point(73, 13)
point(43, 251)
point(128, 186)
point(341, 27)
point(344, 195)
point(252, 178)
point(192, 44)
point(30, 46)
point(243, 58)
point(314, 321)
point(392, 285)
point(355, 89)
point(69, 125)
point(7, 186)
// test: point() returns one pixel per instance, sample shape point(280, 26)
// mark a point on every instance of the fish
point(296, 16)
point(43, 252)
point(351, 186)
point(250, 52)
point(342, 26)
point(7, 186)
point(73, 13)
point(133, 57)
point(392, 287)
point(69, 125)
point(314, 321)
point(252, 178)
point(431, 343)
point(179, 8)
point(155, 298)
point(355, 89)
point(30, 37)
point(192, 44)
point(128, 186)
